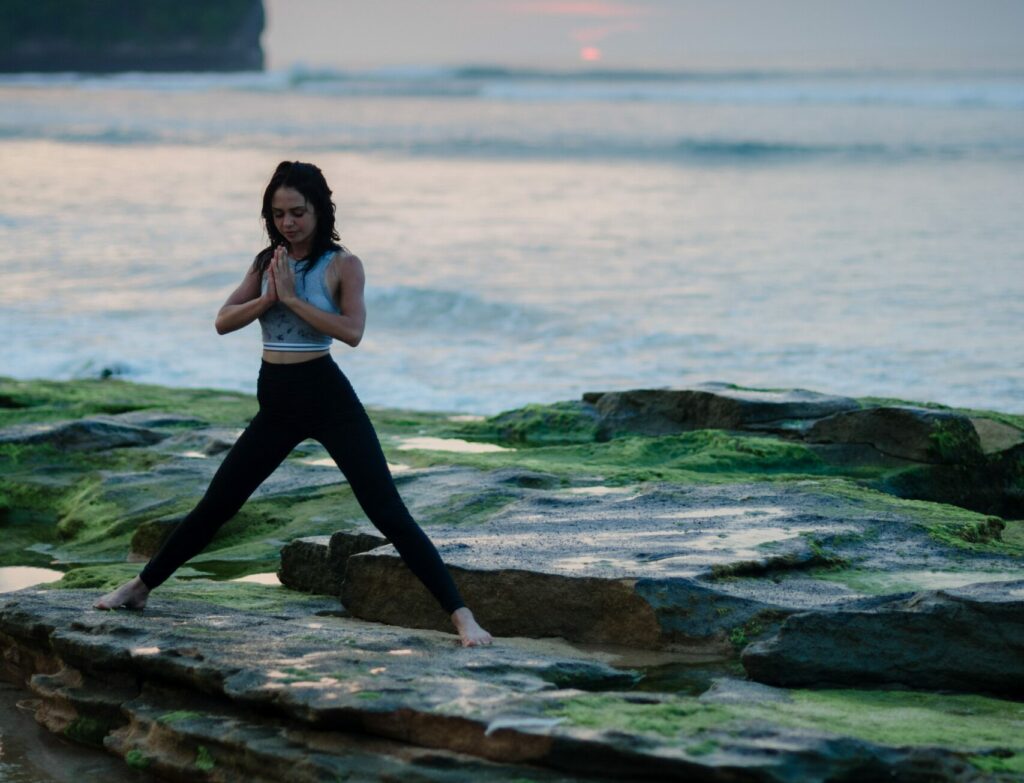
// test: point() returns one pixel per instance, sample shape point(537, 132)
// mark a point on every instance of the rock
point(90, 434)
point(689, 611)
point(990, 486)
point(714, 567)
point(710, 406)
point(305, 566)
point(529, 479)
point(150, 535)
point(176, 735)
point(590, 568)
point(557, 423)
point(912, 452)
point(995, 436)
point(206, 442)
point(33, 755)
point(149, 504)
point(726, 690)
point(393, 682)
point(205, 688)
point(965, 639)
point(918, 434)
point(153, 418)
point(507, 602)
point(858, 455)
point(85, 711)
point(317, 564)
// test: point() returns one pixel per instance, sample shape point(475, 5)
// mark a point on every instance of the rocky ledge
point(714, 583)
point(200, 690)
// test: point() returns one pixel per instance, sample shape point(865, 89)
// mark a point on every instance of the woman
point(306, 290)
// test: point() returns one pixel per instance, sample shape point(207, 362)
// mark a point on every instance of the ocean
point(528, 236)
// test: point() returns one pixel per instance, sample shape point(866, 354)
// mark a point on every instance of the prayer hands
point(282, 276)
point(270, 295)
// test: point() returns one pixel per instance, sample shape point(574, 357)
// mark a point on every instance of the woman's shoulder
point(343, 257)
point(345, 265)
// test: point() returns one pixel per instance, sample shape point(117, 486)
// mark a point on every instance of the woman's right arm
point(246, 304)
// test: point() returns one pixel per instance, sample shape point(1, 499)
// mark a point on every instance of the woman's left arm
point(347, 327)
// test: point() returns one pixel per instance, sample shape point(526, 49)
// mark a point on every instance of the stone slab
point(710, 406)
point(317, 564)
point(995, 436)
point(917, 434)
point(318, 678)
point(95, 433)
point(965, 639)
point(660, 564)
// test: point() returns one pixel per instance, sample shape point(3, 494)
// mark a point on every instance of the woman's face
point(293, 216)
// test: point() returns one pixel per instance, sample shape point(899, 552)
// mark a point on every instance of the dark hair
point(308, 180)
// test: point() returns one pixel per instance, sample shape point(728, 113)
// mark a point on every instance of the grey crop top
point(283, 330)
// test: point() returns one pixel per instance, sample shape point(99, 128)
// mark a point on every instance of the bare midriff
point(291, 357)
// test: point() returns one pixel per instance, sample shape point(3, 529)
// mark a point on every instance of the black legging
point(297, 401)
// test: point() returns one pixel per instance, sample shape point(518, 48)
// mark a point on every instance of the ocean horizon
point(529, 235)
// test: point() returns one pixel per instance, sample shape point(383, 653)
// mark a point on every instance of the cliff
point(106, 36)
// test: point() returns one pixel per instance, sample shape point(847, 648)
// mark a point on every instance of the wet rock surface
point(965, 639)
point(204, 689)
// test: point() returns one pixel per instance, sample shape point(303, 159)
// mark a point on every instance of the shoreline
point(118, 375)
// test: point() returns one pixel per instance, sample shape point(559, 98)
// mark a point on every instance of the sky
point(663, 34)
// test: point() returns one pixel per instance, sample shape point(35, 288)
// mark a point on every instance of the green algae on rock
point(41, 401)
point(924, 451)
point(557, 423)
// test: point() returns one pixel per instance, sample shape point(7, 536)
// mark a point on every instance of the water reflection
point(262, 579)
point(449, 444)
point(18, 577)
point(691, 679)
point(29, 754)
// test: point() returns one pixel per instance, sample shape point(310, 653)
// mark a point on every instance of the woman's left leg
point(348, 435)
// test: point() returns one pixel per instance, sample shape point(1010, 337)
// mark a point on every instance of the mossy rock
point(41, 401)
point(538, 425)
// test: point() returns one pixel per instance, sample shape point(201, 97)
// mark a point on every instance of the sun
point(590, 54)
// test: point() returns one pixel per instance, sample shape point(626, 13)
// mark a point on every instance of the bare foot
point(472, 635)
point(130, 595)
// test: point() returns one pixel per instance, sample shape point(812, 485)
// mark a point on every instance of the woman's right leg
point(257, 452)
